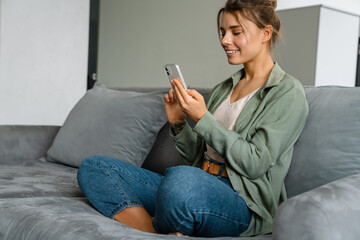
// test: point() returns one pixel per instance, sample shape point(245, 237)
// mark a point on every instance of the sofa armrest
point(331, 211)
point(20, 143)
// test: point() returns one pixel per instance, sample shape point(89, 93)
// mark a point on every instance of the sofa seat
point(42, 200)
point(37, 178)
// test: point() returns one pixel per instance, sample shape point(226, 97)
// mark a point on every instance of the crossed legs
point(186, 200)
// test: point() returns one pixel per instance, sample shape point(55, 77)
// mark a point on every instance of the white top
point(227, 114)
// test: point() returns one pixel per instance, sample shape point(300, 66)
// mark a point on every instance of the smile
point(232, 52)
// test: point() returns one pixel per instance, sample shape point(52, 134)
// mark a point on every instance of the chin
point(235, 62)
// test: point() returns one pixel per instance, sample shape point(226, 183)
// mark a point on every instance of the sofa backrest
point(19, 143)
point(329, 146)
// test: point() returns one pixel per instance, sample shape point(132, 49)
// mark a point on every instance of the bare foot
point(136, 217)
point(177, 234)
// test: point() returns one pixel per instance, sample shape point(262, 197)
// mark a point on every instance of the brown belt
point(214, 168)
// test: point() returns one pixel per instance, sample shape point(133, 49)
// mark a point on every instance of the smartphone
point(173, 71)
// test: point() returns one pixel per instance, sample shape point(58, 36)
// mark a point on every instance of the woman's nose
point(226, 40)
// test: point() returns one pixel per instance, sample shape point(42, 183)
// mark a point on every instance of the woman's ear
point(267, 33)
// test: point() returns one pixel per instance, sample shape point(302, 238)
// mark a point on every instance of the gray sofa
point(40, 199)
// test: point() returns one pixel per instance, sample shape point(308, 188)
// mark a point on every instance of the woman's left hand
point(191, 102)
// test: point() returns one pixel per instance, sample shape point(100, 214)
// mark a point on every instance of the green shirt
point(259, 150)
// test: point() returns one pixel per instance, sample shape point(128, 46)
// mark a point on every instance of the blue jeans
point(186, 199)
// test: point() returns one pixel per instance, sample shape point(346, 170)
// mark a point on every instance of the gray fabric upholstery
point(41, 200)
point(329, 146)
point(331, 211)
point(19, 143)
point(63, 218)
point(106, 122)
point(37, 178)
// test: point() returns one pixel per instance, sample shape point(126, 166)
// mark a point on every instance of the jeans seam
point(180, 227)
point(219, 216)
point(125, 203)
point(135, 179)
point(121, 170)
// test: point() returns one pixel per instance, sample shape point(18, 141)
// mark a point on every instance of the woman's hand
point(190, 102)
point(173, 110)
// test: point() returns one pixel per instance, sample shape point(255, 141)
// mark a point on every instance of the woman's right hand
point(173, 110)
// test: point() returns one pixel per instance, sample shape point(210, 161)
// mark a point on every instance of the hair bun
point(251, 3)
point(273, 3)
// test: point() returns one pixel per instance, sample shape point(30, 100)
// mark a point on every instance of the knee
point(93, 163)
point(178, 187)
point(182, 172)
point(94, 166)
point(88, 164)
point(183, 177)
point(91, 166)
point(86, 168)
point(175, 197)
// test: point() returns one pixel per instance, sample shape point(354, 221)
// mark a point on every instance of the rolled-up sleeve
point(187, 143)
point(276, 130)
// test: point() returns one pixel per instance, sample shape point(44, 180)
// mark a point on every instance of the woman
point(240, 148)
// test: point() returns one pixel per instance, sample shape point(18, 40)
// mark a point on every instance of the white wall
point(337, 49)
point(352, 6)
point(43, 59)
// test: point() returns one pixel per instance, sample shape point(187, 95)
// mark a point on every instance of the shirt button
point(231, 173)
point(239, 192)
point(250, 205)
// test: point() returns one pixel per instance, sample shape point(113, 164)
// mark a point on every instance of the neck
point(259, 68)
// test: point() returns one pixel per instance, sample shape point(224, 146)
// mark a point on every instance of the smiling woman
point(244, 22)
point(239, 150)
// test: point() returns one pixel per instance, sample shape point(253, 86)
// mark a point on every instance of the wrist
point(178, 127)
point(176, 121)
point(200, 116)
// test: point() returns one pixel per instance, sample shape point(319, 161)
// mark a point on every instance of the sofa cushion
point(331, 211)
point(328, 148)
point(37, 178)
point(66, 218)
point(19, 143)
point(112, 123)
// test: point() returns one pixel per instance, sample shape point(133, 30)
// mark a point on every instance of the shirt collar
point(276, 76)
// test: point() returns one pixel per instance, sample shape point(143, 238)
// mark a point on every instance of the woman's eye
point(236, 33)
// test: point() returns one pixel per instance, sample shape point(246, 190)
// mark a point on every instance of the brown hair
point(260, 12)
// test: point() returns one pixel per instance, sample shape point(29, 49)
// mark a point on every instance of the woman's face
point(241, 45)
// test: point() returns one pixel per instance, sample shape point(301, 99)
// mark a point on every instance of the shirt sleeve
point(276, 129)
point(187, 143)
